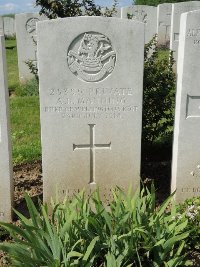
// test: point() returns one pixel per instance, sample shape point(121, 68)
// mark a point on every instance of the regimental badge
point(140, 15)
point(31, 26)
point(91, 57)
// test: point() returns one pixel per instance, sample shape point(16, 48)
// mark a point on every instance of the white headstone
point(186, 149)
point(164, 23)
point(1, 26)
point(26, 42)
point(6, 178)
point(145, 14)
point(177, 10)
point(9, 26)
point(90, 72)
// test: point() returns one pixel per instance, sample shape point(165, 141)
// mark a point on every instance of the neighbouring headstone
point(9, 26)
point(164, 24)
point(6, 177)
point(90, 73)
point(1, 26)
point(177, 10)
point(145, 14)
point(26, 43)
point(186, 151)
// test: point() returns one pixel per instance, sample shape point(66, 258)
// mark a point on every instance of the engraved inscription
point(190, 190)
point(92, 103)
point(106, 196)
point(195, 35)
point(92, 147)
point(193, 32)
point(91, 57)
point(193, 106)
point(140, 15)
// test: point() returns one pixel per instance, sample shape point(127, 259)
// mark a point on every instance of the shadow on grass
point(156, 167)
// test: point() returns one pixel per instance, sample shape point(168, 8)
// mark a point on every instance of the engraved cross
point(92, 147)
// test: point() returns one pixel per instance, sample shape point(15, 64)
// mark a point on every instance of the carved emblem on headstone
point(140, 15)
point(31, 26)
point(91, 57)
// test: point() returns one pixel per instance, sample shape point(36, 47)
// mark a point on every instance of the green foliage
point(68, 8)
point(9, 15)
point(30, 88)
point(83, 232)
point(191, 207)
point(25, 128)
point(10, 37)
point(159, 93)
point(157, 2)
point(33, 69)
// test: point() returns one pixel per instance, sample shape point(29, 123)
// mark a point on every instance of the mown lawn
point(12, 65)
point(24, 111)
point(25, 128)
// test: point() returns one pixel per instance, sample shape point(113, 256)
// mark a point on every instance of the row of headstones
point(163, 20)
point(7, 26)
point(90, 73)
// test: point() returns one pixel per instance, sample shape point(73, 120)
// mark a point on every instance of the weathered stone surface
point(90, 72)
point(177, 10)
point(164, 23)
point(9, 26)
point(6, 177)
point(145, 14)
point(26, 42)
point(1, 26)
point(186, 149)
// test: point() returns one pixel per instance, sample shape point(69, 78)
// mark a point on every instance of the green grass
point(25, 128)
point(24, 111)
point(163, 54)
point(12, 65)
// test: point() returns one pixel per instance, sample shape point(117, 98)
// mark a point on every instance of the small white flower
point(190, 208)
point(195, 212)
point(190, 216)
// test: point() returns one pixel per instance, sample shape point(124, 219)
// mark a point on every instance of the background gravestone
point(145, 14)
point(177, 10)
point(186, 149)
point(26, 42)
point(90, 72)
point(6, 182)
point(1, 26)
point(9, 26)
point(164, 23)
